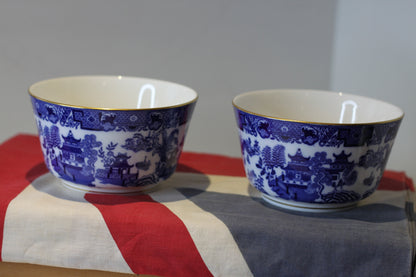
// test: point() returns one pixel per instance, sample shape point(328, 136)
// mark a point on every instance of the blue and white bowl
point(314, 150)
point(111, 134)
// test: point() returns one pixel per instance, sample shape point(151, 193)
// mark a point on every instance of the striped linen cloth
point(206, 220)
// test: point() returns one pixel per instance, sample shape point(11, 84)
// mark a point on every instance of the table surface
point(206, 220)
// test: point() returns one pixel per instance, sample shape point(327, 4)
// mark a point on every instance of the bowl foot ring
point(97, 190)
point(307, 207)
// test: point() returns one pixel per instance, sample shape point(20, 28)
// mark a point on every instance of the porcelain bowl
point(312, 150)
point(111, 134)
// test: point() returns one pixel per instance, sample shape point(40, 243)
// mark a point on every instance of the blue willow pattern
point(323, 176)
point(76, 152)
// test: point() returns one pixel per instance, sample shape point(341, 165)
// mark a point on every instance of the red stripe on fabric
point(396, 180)
point(159, 247)
point(151, 238)
point(21, 162)
point(211, 164)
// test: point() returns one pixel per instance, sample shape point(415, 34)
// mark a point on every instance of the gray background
point(219, 48)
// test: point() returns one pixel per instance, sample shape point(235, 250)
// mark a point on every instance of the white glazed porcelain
point(314, 150)
point(317, 106)
point(111, 134)
point(112, 92)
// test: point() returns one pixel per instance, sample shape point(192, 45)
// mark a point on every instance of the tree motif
point(108, 158)
point(321, 177)
point(348, 177)
point(51, 139)
point(55, 139)
point(319, 160)
point(278, 155)
point(138, 143)
point(270, 160)
point(250, 150)
point(89, 153)
point(45, 134)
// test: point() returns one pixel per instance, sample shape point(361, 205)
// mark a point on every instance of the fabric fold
point(206, 220)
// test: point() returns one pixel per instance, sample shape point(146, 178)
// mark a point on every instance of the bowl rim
point(318, 122)
point(30, 91)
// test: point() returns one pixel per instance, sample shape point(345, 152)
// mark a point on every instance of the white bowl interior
point(317, 106)
point(112, 92)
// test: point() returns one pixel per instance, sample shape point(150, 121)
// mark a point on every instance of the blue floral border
point(311, 134)
point(110, 120)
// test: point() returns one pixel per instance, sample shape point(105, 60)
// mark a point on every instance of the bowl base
point(116, 190)
point(307, 207)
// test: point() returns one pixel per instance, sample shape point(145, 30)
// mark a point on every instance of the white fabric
point(71, 224)
point(211, 236)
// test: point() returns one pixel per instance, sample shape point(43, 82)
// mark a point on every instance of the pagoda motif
point(297, 172)
point(71, 162)
point(303, 176)
point(72, 152)
point(338, 166)
point(296, 178)
point(119, 172)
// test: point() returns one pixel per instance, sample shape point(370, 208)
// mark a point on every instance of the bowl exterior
point(314, 163)
point(111, 149)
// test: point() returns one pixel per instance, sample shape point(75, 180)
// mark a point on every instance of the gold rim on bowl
point(317, 122)
point(113, 109)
